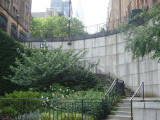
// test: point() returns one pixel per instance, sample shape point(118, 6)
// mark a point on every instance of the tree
point(145, 39)
point(55, 26)
point(43, 68)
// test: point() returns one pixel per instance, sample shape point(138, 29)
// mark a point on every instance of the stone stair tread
point(122, 111)
point(122, 107)
point(120, 115)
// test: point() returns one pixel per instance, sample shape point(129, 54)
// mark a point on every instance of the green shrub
point(45, 116)
point(78, 116)
point(13, 102)
point(30, 116)
point(8, 49)
point(43, 68)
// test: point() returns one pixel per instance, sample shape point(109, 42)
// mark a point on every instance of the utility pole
point(69, 19)
point(69, 23)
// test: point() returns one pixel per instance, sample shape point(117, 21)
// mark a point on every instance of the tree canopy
point(55, 26)
point(145, 39)
point(42, 68)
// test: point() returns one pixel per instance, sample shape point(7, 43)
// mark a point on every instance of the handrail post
point(143, 90)
point(131, 111)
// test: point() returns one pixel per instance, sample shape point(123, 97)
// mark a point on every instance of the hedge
point(8, 53)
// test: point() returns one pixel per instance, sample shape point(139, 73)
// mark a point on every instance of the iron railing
point(117, 88)
point(51, 109)
point(131, 100)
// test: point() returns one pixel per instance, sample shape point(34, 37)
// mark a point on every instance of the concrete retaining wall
point(146, 111)
point(110, 50)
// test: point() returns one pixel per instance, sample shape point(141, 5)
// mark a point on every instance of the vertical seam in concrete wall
point(138, 73)
point(116, 57)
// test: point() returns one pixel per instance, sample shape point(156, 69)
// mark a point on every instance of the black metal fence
point(61, 109)
point(47, 109)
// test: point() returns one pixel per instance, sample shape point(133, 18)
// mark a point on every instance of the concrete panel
point(111, 50)
point(153, 65)
point(120, 47)
point(135, 81)
point(35, 44)
point(158, 114)
point(110, 40)
point(148, 90)
point(154, 77)
point(109, 60)
point(95, 52)
point(121, 70)
point(142, 67)
point(121, 58)
point(101, 51)
point(95, 42)
point(102, 61)
point(88, 43)
point(132, 69)
point(79, 44)
point(156, 90)
point(120, 37)
point(89, 53)
point(57, 44)
point(101, 41)
point(128, 57)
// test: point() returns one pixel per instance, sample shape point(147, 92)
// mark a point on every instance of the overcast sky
point(91, 12)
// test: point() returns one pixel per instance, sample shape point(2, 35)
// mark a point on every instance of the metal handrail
point(111, 87)
point(131, 100)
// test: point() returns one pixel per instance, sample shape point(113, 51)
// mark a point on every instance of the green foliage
point(145, 39)
point(55, 26)
point(45, 116)
point(43, 68)
point(36, 115)
point(71, 116)
point(8, 48)
point(13, 102)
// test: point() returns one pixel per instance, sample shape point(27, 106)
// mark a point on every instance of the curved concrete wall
point(110, 50)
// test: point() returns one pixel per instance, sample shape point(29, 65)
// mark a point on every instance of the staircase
point(105, 80)
point(123, 111)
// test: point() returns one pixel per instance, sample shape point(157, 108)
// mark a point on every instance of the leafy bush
point(56, 91)
point(12, 103)
point(45, 116)
point(43, 68)
point(8, 48)
point(30, 116)
point(72, 116)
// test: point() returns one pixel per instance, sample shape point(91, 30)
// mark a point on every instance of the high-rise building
point(15, 17)
point(60, 6)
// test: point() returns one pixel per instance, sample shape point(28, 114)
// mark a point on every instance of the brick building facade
point(15, 17)
point(120, 10)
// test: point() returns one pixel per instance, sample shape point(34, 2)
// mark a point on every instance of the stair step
point(119, 117)
point(124, 104)
point(122, 113)
point(123, 108)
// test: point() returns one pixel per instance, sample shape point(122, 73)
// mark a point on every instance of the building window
point(14, 12)
point(13, 31)
point(17, 1)
point(22, 36)
point(27, 10)
point(3, 23)
point(6, 4)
